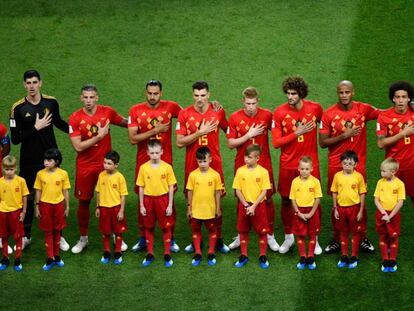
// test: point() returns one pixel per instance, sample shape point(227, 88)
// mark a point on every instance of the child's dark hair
point(113, 156)
point(53, 154)
point(154, 143)
point(253, 148)
point(202, 153)
point(349, 155)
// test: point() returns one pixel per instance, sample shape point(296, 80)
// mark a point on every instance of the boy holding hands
point(13, 201)
point(389, 198)
point(251, 183)
point(204, 188)
point(348, 194)
point(156, 182)
point(305, 193)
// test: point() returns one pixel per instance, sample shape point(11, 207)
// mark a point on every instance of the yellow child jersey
point(251, 182)
point(111, 188)
point(155, 180)
point(12, 193)
point(389, 192)
point(204, 186)
point(52, 185)
point(349, 188)
point(304, 192)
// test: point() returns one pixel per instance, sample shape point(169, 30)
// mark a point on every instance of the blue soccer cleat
point(196, 260)
point(148, 260)
point(241, 262)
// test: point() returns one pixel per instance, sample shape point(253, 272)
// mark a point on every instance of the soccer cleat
point(271, 241)
point(168, 262)
point(353, 262)
point(196, 260)
point(80, 245)
point(367, 246)
point(49, 264)
point(343, 262)
point(310, 263)
point(211, 259)
point(301, 264)
point(106, 257)
point(392, 267)
point(287, 243)
point(223, 248)
point(174, 246)
point(318, 248)
point(148, 260)
point(4, 263)
point(189, 249)
point(236, 243)
point(25, 242)
point(17, 267)
point(59, 262)
point(332, 247)
point(241, 262)
point(385, 266)
point(118, 259)
point(64, 246)
point(140, 245)
point(9, 249)
point(263, 262)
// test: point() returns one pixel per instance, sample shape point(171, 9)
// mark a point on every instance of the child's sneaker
point(174, 246)
point(4, 263)
point(118, 259)
point(106, 257)
point(168, 262)
point(385, 266)
point(189, 249)
point(263, 262)
point(148, 260)
point(59, 262)
point(392, 267)
point(196, 260)
point(241, 262)
point(343, 262)
point(140, 245)
point(301, 264)
point(310, 262)
point(17, 265)
point(50, 262)
point(353, 262)
point(211, 259)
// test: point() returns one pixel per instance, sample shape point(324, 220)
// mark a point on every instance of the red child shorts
point(347, 222)
point(391, 229)
point(52, 216)
point(258, 221)
point(108, 220)
point(156, 207)
point(310, 227)
point(10, 225)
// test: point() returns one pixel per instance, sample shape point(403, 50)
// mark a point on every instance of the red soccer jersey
point(285, 121)
point(391, 123)
point(239, 125)
point(145, 118)
point(189, 120)
point(85, 126)
point(336, 120)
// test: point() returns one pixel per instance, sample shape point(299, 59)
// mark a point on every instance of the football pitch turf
point(231, 44)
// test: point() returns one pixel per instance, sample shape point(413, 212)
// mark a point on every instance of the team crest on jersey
point(210, 183)
point(57, 182)
point(298, 123)
point(163, 176)
point(258, 179)
point(27, 115)
point(349, 124)
point(154, 122)
point(354, 186)
point(395, 191)
point(16, 190)
point(311, 189)
point(115, 186)
point(93, 129)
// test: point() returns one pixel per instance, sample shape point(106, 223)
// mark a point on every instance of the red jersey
point(145, 118)
point(285, 121)
point(391, 123)
point(239, 125)
point(336, 120)
point(85, 126)
point(189, 121)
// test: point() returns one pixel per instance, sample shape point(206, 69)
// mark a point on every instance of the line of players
point(293, 125)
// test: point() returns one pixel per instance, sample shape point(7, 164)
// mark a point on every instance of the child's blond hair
point(390, 164)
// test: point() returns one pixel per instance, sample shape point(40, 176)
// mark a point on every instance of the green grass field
point(232, 44)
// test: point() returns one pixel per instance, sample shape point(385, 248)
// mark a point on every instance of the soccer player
point(294, 132)
point(198, 125)
point(204, 195)
point(348, 193)
point(32, 119)
point(111, 190)
point(4, 151)
point(152, 120)
point(52, 204)
point(395, 132)
point(90, 137)
point(389, 198)
point(343, 127)
point(156, 182)
point(251, 125)
point(305, 193)
point(251, 183)
point(13, 200)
